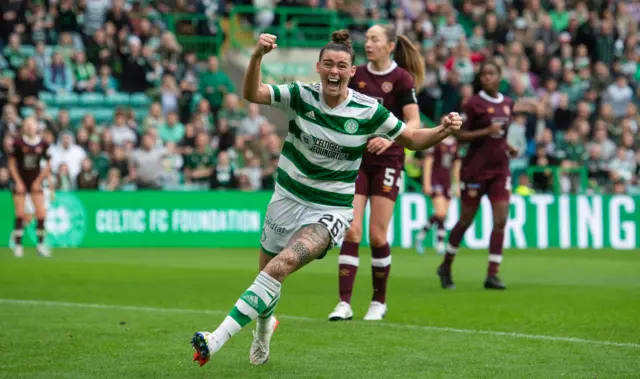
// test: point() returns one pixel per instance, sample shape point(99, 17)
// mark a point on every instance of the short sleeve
point(386, 124)
point(469, 114)
point(430, 151)
point(284, 96)
point(11, 152)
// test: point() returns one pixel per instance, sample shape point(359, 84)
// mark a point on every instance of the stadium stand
point(103, 76)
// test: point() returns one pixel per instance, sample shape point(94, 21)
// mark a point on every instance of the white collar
point(340, 106)
point(495, 100)
point(32, 142)
point(370, 68)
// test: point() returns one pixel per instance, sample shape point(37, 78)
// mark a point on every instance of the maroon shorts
point(497, 188)
point(28, 183)
point(441, 189)
point(378, 181)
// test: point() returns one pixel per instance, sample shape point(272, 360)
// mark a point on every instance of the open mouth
point(333, 83)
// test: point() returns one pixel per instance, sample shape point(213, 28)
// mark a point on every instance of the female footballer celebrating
point(391, 82)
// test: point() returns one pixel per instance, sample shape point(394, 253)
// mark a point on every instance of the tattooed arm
point(307, 244)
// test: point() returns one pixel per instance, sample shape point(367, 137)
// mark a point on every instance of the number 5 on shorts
point(334, 225)
point(389, 177)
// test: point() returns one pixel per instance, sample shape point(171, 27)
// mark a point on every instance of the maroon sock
point(40, 230)
point(440, 234)
point(455, 238)
point(347, 269)
point(495, 251)
point(17, 230)
point(380, 267)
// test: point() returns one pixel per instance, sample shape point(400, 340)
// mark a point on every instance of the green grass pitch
point(130, 313)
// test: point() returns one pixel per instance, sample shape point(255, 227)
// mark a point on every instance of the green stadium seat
point(47, 97)
point(103, 115)
point(67, 99)
point(117, 99)
point(53, 112)
point(92, 99)
point(139, 100)
point(76, 114)
point(26, 112)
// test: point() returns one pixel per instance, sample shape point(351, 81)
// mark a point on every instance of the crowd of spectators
point(171, 121)
point(574, 65)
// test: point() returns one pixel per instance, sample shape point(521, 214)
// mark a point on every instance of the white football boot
point(18, 251)
point(341, 312)
point(204, 344)
point(376, 311)
point(259, 352)
point(43, 250)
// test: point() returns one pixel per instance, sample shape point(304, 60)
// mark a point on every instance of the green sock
point(259, 300)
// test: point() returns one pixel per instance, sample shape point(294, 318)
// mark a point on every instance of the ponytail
point(408, 57)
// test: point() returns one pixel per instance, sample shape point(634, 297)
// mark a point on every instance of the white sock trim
point(348, 260)
point(230, 326)
point(246, 309)
point(451, 249)
point(268, 282)
point(495, 258)
point(381, 262)
point(18, 233)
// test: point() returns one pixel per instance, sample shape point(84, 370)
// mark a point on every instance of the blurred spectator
point(172, 130)
point(623, 166)
point(135, 68)
point(198, 166)
point(223, 175)
point(67, 153)
point(58, 77)
point(99, 158)
point(63, 179)
point(250, 124)
point(619, 95)
point(106, 83)
point(214, 84)
point(27, 86)
point(121, 132)
point(155, 118)
point(146, 165)
point(523, 188)
point(87, 178)
point(95, 12)
point(168, 94)
point(84, 73)
point(543, 180)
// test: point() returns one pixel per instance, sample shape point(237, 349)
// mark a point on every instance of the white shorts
point(286, 216)
point(30, 209)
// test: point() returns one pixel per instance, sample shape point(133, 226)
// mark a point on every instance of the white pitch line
point(309, 319)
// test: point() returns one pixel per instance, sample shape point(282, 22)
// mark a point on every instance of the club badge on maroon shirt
point(389, 88)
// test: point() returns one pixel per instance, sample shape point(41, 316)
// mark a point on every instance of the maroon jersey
point(28, 155)
point(393, 89)
point(487, 157)
point(444, 154)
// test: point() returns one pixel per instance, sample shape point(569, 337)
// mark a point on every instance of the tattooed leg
point(307, 244)
point(260, 299)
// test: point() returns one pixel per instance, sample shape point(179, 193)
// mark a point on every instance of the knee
point(441, 214)
point(377, 235)
point(354, 233)
point(282, 265)
point(500, 223)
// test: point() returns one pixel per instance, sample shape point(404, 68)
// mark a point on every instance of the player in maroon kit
point(440, 164)
point(391, 82)
point(24, 165)
point(485, 170)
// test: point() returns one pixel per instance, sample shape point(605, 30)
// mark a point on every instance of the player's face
point(335, 71)
point(377, 45)
point(30, 127)
point(490, 78)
